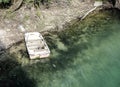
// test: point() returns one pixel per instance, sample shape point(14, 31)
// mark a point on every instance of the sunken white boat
point(36, 45)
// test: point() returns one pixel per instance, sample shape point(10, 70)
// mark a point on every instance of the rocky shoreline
point(14, 25)
point(29, 19)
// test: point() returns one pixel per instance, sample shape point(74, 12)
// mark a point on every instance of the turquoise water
point(86, 55)
point(96, 65)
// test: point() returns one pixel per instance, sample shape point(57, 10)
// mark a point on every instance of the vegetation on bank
point(14, 5)
point(8, 3)
point(36, 3)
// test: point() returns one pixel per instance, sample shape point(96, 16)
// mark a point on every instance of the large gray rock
point(117, 4)
point(13, 26)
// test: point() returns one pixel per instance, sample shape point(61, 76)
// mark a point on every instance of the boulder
point(117, 5)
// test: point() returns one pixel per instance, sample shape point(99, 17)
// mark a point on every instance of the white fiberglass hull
point(36, 45)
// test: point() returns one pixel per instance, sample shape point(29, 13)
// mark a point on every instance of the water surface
point(86, 54)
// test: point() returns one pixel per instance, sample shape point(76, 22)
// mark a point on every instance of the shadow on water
point(12, 74)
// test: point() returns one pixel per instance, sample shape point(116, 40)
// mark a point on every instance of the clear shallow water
point(87, 57)
point(95, 66)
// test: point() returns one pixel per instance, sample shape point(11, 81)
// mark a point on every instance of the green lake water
point(86, 54)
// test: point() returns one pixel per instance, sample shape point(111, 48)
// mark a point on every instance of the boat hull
point(36, 45)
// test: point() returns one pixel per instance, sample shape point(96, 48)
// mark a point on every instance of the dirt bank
point(27, 19)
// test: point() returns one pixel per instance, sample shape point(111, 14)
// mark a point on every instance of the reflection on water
point(86, 55)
